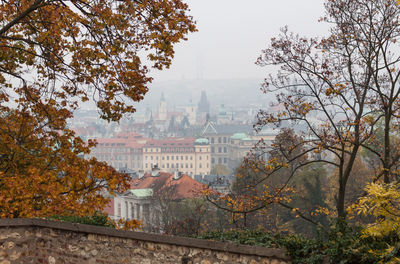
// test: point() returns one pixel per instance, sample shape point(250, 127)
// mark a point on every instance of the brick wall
point(42, 241)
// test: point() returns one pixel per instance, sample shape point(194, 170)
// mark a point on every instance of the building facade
point(187, 155)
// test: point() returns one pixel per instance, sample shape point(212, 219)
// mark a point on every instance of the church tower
point(162, 109)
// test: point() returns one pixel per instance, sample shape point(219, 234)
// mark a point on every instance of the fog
point(232, 34)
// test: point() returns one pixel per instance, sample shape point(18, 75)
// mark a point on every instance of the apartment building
point(188, 155)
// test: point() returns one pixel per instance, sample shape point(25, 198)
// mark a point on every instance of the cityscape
point(199, 132)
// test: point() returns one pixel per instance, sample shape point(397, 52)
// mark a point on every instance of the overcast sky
point(232, 34)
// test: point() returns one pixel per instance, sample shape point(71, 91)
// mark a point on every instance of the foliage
point(219, 169)
point(383, 202)
point(84, 49)
point(348, 80)
point(342, 244)
point(98, 219)
point(43, 171)
point(56, 55)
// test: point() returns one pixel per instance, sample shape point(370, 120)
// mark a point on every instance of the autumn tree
point(338, 87)
point(56, 55)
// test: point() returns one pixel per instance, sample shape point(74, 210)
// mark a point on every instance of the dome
point(238, 136)
point(201, 141)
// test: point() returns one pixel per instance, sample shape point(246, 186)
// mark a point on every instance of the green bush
point(342, 244)
point(97, 219)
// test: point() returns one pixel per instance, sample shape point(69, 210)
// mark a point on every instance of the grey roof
point(211, 128)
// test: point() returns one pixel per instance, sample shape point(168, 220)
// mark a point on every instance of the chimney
point(140, 174)
point(155, 171)
point(177, 175)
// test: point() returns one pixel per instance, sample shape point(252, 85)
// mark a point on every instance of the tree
point(335, 86)
point(219, 169)
point(43, 172)
point(56, 55)
point(70, 51)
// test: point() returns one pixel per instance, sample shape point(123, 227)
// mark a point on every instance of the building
point(147, 194)
point(189, 155)
point(219, 137)
point(124, 151)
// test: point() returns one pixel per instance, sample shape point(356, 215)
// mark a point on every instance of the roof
point(171, 142)
point(201, 141)
point(184, 187)
point(141, 193)
point(239, 136)
point(211, 128)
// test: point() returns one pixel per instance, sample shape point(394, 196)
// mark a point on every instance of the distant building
point(162, 109)
point(225, 150)
point(188, 155)
point(123, 152)
point(143, 200)
point(204, 105)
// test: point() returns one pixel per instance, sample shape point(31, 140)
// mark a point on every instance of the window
point(181, 157)
point(177, 157)
point(132, 211)
point(225, 160)
point(167, 157)
point(219, 160)
point(200, 166)
point(207, 165)
point(212, 160)
point(224, 139)
point(187, 166)
point(200, 158)
point(224, 149)
point(163, 166)
point(219, 150)
point(119, 210)
point(172, 157)
point(167, 165)
point(212, 140)
point(191, 165)
point(162, 158)
point(181, 165)
point(219, 140)
point(126, 210)
point(212, 150)
point(146, 165)
point(172, 165)
point(186, 157)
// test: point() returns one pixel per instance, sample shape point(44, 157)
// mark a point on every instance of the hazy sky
point(232, 34)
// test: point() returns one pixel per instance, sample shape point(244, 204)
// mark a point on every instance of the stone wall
point(42, 241)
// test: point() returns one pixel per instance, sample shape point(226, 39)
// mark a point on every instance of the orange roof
point(184, 187)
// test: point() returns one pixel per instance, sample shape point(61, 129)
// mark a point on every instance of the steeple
point(204, 105)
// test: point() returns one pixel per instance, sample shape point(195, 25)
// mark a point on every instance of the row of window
point(219, 150)
point(220, 140)
point(225, 160)
point(112, 150)
point(169, 150)
point(176, 166)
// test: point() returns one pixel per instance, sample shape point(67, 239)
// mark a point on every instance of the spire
point(204, 105)
point(162, 97)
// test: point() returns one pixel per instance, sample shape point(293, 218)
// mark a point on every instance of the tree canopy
point(56, 55)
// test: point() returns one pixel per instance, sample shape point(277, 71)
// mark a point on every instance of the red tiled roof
point(184, 187)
